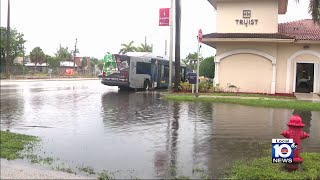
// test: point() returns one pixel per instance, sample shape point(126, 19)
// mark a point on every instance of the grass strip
point(267, 103)
point(262, 168)
point(12, 144)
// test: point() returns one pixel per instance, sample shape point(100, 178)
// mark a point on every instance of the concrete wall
point(249, 72)
point(285, 52)
point(236, 69)
point(266, 12)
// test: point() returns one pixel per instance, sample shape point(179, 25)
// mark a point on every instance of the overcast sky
point(103, 25)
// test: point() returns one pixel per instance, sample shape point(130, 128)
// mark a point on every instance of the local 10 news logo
point(283, 150)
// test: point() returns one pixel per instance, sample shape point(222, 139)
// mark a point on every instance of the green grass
point(86, 169)
point(105, 175)
point(236, 95)
point(262, 168)
point(268, 103)
point(252, 95)
point(12, 144)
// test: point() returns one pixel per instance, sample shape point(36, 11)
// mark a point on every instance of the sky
point(101, 26)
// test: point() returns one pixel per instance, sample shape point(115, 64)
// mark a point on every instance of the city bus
point(139, 72)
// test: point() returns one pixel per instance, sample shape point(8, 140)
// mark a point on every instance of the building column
point(274, 76)
point(216, 73)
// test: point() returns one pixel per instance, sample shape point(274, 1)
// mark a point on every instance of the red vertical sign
point(164, 16)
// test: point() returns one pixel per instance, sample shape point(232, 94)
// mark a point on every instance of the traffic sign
point(200, 36)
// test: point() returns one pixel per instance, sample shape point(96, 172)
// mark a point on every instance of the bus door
point(164, 75)
point(155, 72)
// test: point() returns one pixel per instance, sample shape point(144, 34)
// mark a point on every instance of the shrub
point(205, 87)
point(185, 87)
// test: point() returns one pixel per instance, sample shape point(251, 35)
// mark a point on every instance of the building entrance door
point(305, 77)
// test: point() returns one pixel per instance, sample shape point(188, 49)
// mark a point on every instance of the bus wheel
point(146, 85)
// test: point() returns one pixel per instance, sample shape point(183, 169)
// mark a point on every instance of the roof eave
point(213, 3)
point(210, 40)
point(308, 41)
point(282, 5)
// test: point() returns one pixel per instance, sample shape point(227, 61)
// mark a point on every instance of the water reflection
point(174, 138)
point(306, 119)
point(12, 107)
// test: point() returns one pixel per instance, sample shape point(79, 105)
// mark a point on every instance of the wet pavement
point(138, 134)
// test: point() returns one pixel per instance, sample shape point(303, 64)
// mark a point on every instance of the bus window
point(162, 71)
point(143, 68)
point(166, 71)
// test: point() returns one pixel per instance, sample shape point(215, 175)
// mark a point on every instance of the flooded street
point(138, 134)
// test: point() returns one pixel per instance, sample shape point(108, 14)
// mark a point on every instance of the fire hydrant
point(296, 133)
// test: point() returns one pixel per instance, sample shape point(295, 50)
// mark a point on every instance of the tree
point(127, 48)
point(53, 63)
point(37, 56)
point(94, 60)
point(100, 65)
point(84, 62)
point(314, 10)
point(191, 60)
point(144, 48)
point(16, 45)
point(207, 67)
point(63, 54)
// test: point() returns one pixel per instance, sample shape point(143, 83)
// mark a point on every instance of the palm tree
point(314, 10)
point(37, 56)
point(127, 48)
point(144, 48)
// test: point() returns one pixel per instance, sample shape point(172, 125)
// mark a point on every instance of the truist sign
point(246, 19)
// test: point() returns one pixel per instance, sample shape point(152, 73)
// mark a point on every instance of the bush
point(185, 87)
point(205, 87)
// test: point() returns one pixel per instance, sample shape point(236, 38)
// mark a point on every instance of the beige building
point(259, 55)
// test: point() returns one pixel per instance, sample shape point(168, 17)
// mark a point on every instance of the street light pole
point(171, 46)
point(197, 88)
point(8, 42)
point(74, 56)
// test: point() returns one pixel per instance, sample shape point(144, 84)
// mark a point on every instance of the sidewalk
point(15, 170)
point(307, 97)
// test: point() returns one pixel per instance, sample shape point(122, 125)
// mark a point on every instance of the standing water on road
point(138, 134)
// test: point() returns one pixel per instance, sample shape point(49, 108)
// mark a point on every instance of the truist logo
point(246, 13)
point(246, 19)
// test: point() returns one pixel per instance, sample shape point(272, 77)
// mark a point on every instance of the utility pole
point(8, 42)
point(177, 45)
point(145, 41)
point(197, 88)
point(74, 56)
point(165, 48)
point(23, 61)
point(171, 46)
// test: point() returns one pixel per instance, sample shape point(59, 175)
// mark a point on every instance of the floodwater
point(138, 134)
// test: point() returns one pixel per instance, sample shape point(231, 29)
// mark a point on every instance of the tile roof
point(301, 30)
point(298, 30)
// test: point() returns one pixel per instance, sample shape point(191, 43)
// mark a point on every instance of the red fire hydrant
point(296, 133)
